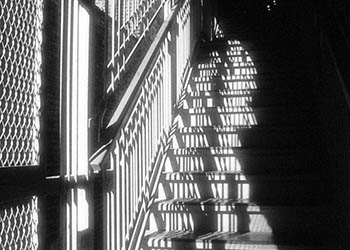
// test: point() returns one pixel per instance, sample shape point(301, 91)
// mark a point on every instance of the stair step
point(238, 55)
point(189, 240)
point(237, 151)
point(263, 189)
point(238, 116)
point(232, 98)
point(250, 160)
point(246, 82)
point(240, 93)
point(234, 176)
point(229, 136)
point(255, 56)
point(247, 45)
point(236, 65)
point(238, 215)
point(243, 54)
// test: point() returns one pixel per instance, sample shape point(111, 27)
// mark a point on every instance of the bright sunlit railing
point(134, 159)
point(129, 21)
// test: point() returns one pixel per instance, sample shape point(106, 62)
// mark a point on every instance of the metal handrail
point(142, 124)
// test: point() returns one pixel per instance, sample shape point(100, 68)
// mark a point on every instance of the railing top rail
point(125, 107)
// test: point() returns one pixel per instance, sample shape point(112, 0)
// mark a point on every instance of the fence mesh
point(19, 225)
point(20, 62)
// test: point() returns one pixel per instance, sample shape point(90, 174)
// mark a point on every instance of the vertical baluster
point(113, 214)
point(147, 129)
point(140, 155)
point(136, 170)
point(68, 228)
point(112, 42)
point(74, 220)
point(156, 107)
point(154, 118)
point(118, 184)
point(135, 175)
point(74, 94)
point(161, 103)
point(123, 190)
point(127, 179)
point(130, 189)
point(145, 136)
point(159, 106)
point(150, 128)
point(143, 149)
point(108, 233)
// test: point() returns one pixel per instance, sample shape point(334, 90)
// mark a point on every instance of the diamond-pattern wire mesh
point(19, 225)
point(20, 66)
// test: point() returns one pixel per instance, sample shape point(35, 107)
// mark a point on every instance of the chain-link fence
point(19, 224)
point(20, 62)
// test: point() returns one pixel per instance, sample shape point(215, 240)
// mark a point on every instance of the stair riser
point(253, 188)
point(242, 71)
point(248, 162)
point(240, 53)
point(215, 99)
point(251, 117)
point(244, 138)
point(197, 102)
point(237, 44)
point(248, 83)
point(203, 84)
point(238, 71)
point(233, 56)
point(256, 55)
point(280, 220)
point(210, 69)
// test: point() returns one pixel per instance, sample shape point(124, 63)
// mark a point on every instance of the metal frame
point(132, 161)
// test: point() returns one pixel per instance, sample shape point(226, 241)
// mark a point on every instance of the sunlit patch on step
point(204, 194)
point(206, 137)
point(228, 83)
point(202, 160)
point(210, 99)
point(208, 215)
point(224, 116)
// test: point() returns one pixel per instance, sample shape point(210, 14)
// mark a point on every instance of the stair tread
point(299, 76)
point(208, 201)
point(240, 92)
point(247, 45)
point(244, 109)
point(230, 128)
point(232, 63)
point(238, 149)
point(260, 238)
point(242, 175)
point(250, 206)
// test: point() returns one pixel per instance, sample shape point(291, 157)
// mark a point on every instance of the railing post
point(173, 53)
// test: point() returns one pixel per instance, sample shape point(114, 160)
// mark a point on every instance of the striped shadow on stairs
point(240, 173)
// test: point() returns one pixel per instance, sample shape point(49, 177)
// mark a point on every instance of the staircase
point(243, 171)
